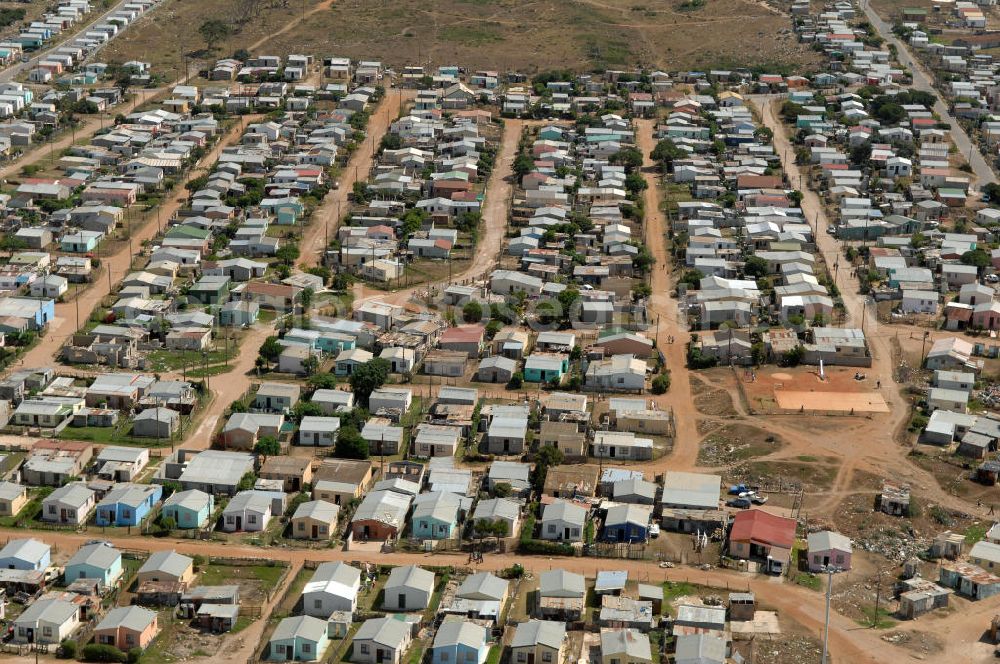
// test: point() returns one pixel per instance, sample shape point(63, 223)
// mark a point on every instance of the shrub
point(661, 383)
point(99, 652)
point(544, 548)
point(67, 650)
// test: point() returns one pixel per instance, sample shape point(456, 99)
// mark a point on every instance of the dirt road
point(326, 218)
point(495, 214)
point(64, 324)
point(664, 308)
point(848, 641)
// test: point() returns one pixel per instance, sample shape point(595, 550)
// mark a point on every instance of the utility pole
point(826, 623)
point(878, 597)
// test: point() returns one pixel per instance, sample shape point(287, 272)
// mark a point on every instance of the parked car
point(654, 530)
point(741, 503)
point(738, 489)
point(758, 499)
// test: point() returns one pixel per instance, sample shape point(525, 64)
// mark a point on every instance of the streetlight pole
point(826, 622)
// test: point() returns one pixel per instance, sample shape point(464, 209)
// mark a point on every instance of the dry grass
point(497, 34)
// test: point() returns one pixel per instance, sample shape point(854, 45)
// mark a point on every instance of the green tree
point(629, 157)
point(665, 153)
point(310, 365)
point(977, 257)
point(472, 312)
point(523, 164)
point(545, 457)
point(287, 253)
point(350, 444)
point(267, 446)
point(755, 267)
point(213, 31)
point(271, 349)
point(100, 652)
point(367, 378)
point(322, 381)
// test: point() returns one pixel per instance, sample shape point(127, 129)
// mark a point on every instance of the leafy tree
point(755, 267)
point(391, 142)
point(634, 182)
point(168, 523)
point(287, 254)
point(629, 157)
point(796, 198)
point(306, 409)
point(350, 444)
point(472, 312)
point(310, 365)
point(665, 153)
point(576, 353)
point(793, 357)
point(545, 457)
point(359, 192)
point(247, 481)
point(322, 381)
point(67, 649)
point(413, 221)
point(992, 192)
point(213, 31)
point(492, 328)
point(919, 240)
point(271, 349)
point(516, 380)
point(523, 164)
point(369, 377)
point(502, 490)
point(977, 257)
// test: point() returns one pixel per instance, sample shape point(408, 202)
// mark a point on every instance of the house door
point(379, 656)
point(239, 523)
point(826, 561)
point(566, 533)
point(402, 600)
point(315, 532)
point(365, 532)
point(531, 658)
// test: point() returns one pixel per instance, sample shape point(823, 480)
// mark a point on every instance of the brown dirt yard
point(495, 34)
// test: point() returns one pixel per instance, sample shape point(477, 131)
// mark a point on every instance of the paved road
point(923, 80)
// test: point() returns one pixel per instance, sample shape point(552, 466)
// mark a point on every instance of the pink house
point(829, 549)
point(127, 627)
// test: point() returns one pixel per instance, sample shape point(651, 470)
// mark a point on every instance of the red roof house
point(762, 537)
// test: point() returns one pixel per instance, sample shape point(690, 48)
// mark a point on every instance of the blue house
point(298, 639)
point(36, 313)
point(26, 554)
point(544, 367)
point(627, 522)
point(95, 561)
point(435, 515)
point(189, 509)
point(127, 504)
point(459, 641)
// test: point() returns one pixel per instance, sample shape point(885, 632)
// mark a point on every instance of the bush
point(99, 652)
point(544, 548)
point(134, 655)
point(661, 383)
point(67, 650)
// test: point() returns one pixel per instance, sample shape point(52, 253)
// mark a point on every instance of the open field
point(801, 388)
point(501, 34)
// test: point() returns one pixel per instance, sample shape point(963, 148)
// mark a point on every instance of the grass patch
point(172, 360)
point(808, 580)
point(494, 655)
point(241, 624)
point(884, 621)
point(217, 575)
point(975, 533)
point(808, 458)
point(674, 589)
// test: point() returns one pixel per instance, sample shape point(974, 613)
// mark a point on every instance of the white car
point(654, 530)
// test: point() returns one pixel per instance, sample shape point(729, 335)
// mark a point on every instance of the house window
point(318, 604)
point(230, 519)
point(364, 648)
point(130, 639)
point(575, 532)
point(47, 631)
point(471, 656)
point(126, 514)
point(302, 526)
point(552, 528)
point(840, 557)
point(546, 657)
point(252, 518)
point(522, 657)
point(279, 648)
point(816, 560)
point(306, 647)
point(444, 656)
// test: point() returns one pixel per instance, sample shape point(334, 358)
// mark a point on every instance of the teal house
point(298, 639)
point(545, 367)
point(95, 561)
point(435, 515)
point(80, 242)
point(332, 343)
point(189, 509)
